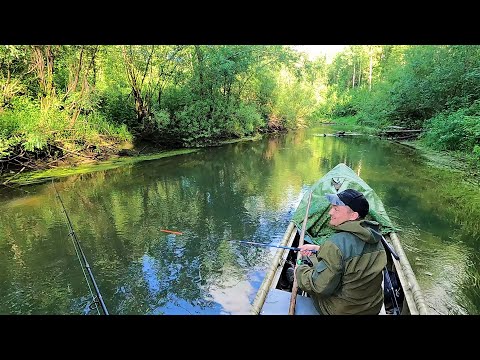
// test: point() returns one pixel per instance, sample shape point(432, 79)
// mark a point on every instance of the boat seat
point(278, 303)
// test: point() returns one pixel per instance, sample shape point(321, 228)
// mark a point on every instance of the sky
point(315, 50)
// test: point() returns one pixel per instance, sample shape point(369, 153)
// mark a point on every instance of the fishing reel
point(305, 260)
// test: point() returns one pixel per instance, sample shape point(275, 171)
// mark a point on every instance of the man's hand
point(307, 249)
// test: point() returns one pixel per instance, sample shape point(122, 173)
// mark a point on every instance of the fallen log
point(400, 134)
point(389, 132)
point(12, 177)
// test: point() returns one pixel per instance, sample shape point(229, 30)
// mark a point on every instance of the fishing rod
point(386, 244)
point(388, 280)
point(270, 245)
point(293, 297)
point(78, 248)
point(391, 290)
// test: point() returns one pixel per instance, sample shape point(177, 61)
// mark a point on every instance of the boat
point(309, 224)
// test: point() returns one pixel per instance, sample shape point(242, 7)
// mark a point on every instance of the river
point(241, 191)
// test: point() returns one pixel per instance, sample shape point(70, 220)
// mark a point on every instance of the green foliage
point(199, 94)
point(33, 129)
point(343, 106)
point(94, 128)
point(262, 89)
point(476, 154)
point(175, 98)
point(8, 123)
point(193, 120)
point(351, 124)
point(454, 131)
point(347, 120)
point(327, 104)
point(34, 141)
point(24, 123)
point(117, 108)
point(13, 64)
point(7, 143)
point(244, 120)
point(10, 88)
point(162, 119)
point(434, 79)
point(194, 93)
point(374, 107)
point(410, 85)
point(294, 100)
point(23, 111)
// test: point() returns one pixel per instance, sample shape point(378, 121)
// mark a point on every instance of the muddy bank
point(46, 168)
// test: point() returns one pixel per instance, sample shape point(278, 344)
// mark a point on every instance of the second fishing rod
point(83, 261)
point(271, 245)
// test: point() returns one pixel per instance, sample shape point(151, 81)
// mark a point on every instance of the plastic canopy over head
point(343, 177)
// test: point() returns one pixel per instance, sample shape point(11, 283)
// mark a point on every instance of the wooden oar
point(293, 299)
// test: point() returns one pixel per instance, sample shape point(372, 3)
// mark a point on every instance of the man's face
point(339, 214)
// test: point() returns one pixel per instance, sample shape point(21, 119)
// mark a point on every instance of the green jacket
point(347, 274)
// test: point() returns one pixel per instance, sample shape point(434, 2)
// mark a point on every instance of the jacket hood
point(362, 229)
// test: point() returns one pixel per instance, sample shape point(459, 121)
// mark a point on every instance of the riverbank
point(446, 160)
point(128, 153)
point(45, 169)
point(454, 161)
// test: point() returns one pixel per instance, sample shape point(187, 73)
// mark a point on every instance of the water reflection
point(243, 191)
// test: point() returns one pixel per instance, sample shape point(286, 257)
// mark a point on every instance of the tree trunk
point(353, 78)
point(140, 108)
point(43, 61)
point(80, 72)
point(199, 54)
point(370, 72)
point(359, 82)
point(73, 85)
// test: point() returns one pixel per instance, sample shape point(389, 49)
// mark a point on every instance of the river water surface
point(242, 191)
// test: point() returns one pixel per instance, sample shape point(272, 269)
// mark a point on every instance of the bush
point(192, 119)
point(117, 109)
point(243, 121)
point(455, 131)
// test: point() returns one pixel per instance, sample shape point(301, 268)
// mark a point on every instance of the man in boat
point(345, 275)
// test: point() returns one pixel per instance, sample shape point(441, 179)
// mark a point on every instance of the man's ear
point(354, 215)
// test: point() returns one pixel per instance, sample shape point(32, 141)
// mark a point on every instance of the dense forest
point(57, 101)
